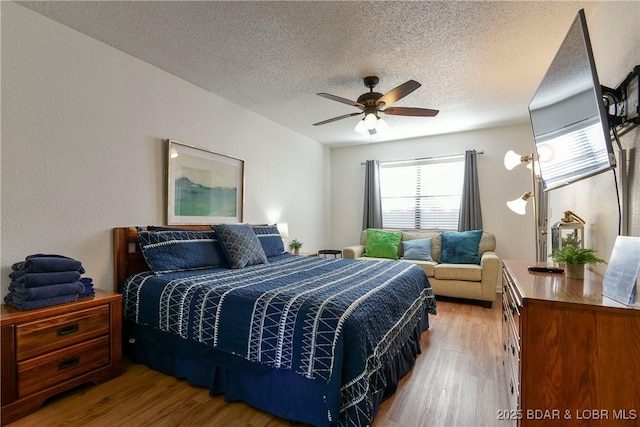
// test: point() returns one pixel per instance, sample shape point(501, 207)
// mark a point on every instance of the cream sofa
point(468, 281)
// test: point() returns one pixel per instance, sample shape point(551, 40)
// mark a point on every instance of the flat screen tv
point(568, 115)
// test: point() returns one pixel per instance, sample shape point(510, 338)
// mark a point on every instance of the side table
point(50, 350)
point(335, 252)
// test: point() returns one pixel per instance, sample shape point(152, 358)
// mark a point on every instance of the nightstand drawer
point(41, 372)
point(35, 338)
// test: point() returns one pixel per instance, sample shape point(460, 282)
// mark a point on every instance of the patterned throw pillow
point(240, 245)
point(270, 239)
point(382, 244)
point(461, 247)
point(417, 249)
point(176, 250)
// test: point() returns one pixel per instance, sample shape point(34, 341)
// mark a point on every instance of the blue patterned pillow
point(270, 239)
point(417, 249)
point(460, 247)
point(168, 251)
point(240, 244)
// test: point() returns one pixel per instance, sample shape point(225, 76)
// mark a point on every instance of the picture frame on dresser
point(203, 187)
point(621, 279)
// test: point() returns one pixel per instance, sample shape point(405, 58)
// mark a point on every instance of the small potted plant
point(295, 245)
point(575, 259)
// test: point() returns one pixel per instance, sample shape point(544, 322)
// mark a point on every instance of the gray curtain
point(372, 213)
point(470, 211)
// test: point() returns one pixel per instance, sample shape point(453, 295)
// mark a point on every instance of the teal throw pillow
point(417, 249)
point(382, 244)
point(460, 247)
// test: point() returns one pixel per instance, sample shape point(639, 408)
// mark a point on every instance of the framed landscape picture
point(204, 187)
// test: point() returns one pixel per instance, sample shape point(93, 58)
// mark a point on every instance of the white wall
point(614, 29)
point(83, 130)
point(514, 233)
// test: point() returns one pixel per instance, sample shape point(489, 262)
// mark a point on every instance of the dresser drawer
point(41, 372)
point(43, 336)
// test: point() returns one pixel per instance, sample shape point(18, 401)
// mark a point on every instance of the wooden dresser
point(571, 355)
point(47, 351)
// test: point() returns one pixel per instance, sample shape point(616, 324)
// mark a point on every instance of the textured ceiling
point(479, 63)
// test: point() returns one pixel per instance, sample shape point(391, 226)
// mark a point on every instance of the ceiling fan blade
point(341, 99)
point(398, 93)
point(409, 111)
point(337, 118)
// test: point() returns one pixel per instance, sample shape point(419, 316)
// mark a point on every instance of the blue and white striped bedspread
point(318, 317)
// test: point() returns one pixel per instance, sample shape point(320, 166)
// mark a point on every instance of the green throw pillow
point(460, 247)
point(382, 244)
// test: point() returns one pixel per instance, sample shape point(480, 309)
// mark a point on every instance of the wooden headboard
point(127, 256)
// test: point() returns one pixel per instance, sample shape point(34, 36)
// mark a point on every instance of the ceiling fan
point(371, 104)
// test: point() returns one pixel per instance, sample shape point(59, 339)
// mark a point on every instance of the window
point(422, 194)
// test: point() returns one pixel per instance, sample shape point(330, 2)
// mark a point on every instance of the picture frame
point(203, 187)
point(621, 279)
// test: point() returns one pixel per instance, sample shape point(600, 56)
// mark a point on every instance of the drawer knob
point(68, 363)
point(68, 329)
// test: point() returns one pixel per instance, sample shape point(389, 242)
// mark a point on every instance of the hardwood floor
point(458, 380)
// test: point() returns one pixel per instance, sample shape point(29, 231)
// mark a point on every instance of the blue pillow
point(176, 250)
point(417, 249)
point(460, 247)
point(270, 239)
point(240, 245)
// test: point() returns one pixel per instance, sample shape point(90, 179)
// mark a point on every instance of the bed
point(312, 340)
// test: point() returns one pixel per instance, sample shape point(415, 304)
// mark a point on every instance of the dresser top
point(558, 288)
point(9, 315)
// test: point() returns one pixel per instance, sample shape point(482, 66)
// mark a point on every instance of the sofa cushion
point(417, 249)
point(487, 243)
point(468, 272)
point(382, 244)
point(427, 266)
point(460, 247)
point(425, 234)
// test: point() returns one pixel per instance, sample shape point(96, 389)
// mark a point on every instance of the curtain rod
point(426, 158)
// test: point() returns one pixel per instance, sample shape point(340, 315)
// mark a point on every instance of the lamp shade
point(512, 159)
point(370, 121)
point(519, 205)
point(283, 229)
point(371, 124)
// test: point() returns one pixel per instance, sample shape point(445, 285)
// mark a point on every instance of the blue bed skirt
point(277, 391)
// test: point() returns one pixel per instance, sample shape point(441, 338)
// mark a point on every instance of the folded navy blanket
point(88, 287)
point(44, 263)
point(15, 300)
point(32, 280)
point(49, 291)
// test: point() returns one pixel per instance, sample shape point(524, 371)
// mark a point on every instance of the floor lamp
point(519, 205)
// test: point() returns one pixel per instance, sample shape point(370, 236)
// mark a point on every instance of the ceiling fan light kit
point(373, 103)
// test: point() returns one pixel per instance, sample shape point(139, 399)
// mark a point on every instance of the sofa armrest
point(491, 274)
point(353, 252)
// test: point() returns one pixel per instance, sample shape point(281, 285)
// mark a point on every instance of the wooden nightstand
point(50, 350)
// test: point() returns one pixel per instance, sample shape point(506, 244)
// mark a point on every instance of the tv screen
point(568, 115)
